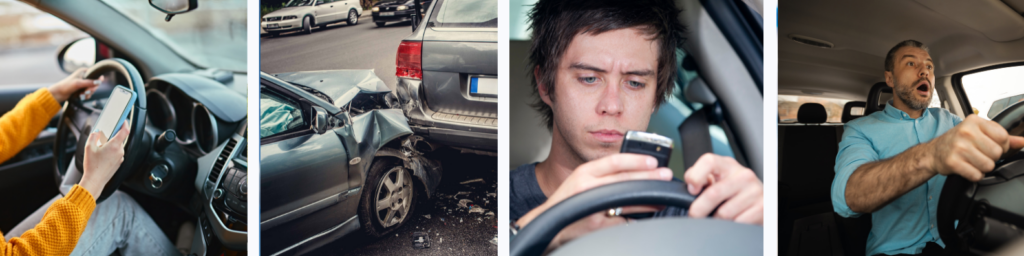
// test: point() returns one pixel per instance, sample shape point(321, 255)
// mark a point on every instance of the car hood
point(297, 11)
point(340, 85)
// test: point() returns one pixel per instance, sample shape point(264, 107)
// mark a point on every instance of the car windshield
point(294, 3)
point(211, 36)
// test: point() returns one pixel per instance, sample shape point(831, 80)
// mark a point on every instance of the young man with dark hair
point(893, 163)
point(601, 68)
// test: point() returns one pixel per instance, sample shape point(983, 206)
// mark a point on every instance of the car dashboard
point(223, 186)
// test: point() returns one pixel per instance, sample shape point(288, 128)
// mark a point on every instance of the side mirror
point(80, 53)
point(320, 122)
point(172, 7)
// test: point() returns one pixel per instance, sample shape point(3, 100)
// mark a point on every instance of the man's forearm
point(876, 184)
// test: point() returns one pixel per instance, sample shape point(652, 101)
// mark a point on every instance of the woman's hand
point(102, 159)
point(71, 84)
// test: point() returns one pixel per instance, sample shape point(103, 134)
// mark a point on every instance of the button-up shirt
point(907, 224)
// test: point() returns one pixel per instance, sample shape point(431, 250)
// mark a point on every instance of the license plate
point(483, 86)
point(272, 26)
point(387, 14)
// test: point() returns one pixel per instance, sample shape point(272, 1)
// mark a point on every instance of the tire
point(380, 24)
point(353, 17)
point(401, 195)
point(306, 26)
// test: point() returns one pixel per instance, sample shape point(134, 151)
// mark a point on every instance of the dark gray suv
point(448, 74)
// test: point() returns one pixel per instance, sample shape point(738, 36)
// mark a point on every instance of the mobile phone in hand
point(637, 142)
point(115, 112)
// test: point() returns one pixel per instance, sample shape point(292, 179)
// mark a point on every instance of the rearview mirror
point(80, 53)
point(172, 7)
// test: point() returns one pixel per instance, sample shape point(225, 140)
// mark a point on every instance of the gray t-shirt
point(525, 194)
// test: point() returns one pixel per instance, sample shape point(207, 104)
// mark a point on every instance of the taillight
point(409, 63)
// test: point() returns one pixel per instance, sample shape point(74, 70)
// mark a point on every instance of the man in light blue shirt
point(893, 163)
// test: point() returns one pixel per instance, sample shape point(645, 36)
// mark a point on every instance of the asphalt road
point(339, 46)
point(451, 229)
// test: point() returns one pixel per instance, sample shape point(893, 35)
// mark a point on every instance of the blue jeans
point(118, 223)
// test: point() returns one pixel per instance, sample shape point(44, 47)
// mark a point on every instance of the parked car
point(303, 15)
point(335, 157)
point(195, 92)
point(396, 11)
point(834, 52)
point(448, 75)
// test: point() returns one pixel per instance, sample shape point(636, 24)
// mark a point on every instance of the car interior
point(836, 51)
point(699, 117)
point(186, 155)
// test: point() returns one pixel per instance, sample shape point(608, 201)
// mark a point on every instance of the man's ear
point(888, 79)
point(542, 89)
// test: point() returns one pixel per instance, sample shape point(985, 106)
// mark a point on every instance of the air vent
point(812, 41)
point(222, 159)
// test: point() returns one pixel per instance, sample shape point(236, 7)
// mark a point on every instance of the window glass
point(790, 104)
point(29, 40)
point(467, 13)
point(991, 91)
point(278, 115)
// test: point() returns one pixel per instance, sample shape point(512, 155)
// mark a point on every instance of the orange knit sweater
point(64, 221)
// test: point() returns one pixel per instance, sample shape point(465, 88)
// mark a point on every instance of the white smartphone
point(115, 112)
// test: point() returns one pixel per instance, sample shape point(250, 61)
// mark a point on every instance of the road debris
point(427, 216)
point(479, 210)
point(481, 180)
point(464, 203)
point(420, 240)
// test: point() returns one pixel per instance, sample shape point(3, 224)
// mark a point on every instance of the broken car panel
point(330, 145)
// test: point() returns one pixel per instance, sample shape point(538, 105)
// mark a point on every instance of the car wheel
point(380, 24)
point(388, 197)
point(353, 17)
point(306, 26)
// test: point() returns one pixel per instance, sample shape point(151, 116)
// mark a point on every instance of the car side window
point(991, 91)
point(278, 115)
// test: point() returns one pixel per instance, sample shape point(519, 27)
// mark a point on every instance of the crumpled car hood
point(340, 85)
point(297, 11)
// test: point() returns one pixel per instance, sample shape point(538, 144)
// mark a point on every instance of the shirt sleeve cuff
point(839, 195)
point(81, 197)
point(45, 100)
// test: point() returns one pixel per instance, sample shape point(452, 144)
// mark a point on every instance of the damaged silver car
point(336, 157)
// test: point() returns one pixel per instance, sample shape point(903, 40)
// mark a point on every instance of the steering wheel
point(671, 235)
point(77, 120)
point(972, 216)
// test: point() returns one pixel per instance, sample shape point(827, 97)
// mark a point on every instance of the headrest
point(811, 113)
point(876, 92)
point(847, 116)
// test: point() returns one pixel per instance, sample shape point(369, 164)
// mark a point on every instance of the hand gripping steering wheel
point(79, 117)
point(671, 236)
point(983, 216)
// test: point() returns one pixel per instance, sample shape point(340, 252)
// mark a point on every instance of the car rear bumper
point(399, 16)
point(283, 25)
point(471, 132)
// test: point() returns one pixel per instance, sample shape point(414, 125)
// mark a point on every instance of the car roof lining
point(151, 56)
point(863, 32)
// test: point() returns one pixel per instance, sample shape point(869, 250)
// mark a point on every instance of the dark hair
point(890, 60)
point(555, 23)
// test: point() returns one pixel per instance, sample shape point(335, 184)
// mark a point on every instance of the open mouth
point(923, 87)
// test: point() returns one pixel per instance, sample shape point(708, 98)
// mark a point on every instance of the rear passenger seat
point(807, 152)
point(807, 156)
